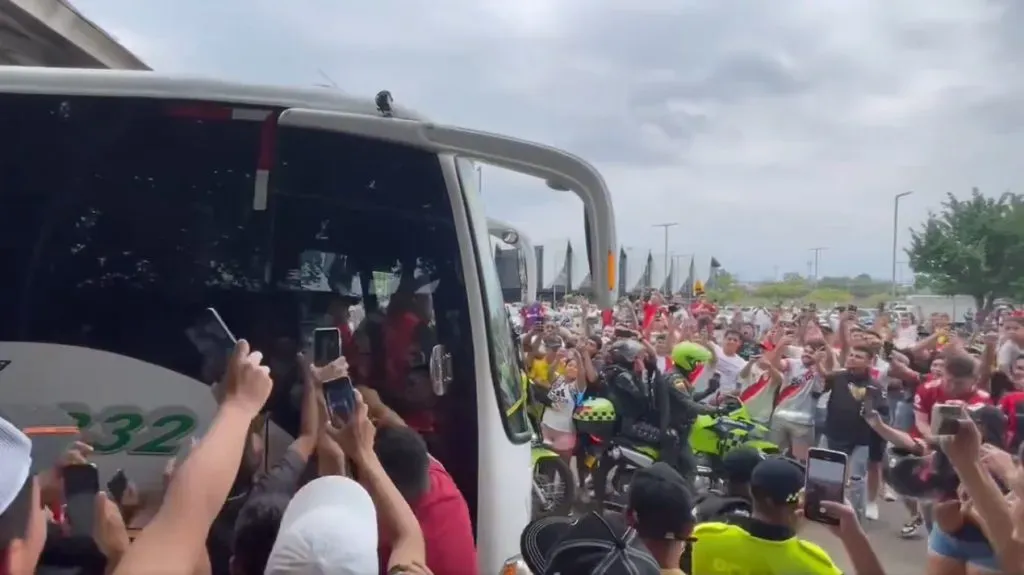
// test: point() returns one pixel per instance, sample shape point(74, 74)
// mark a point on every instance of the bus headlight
point(515, 566)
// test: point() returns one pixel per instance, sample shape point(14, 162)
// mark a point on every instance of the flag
point(688, 285)
point(712, 275)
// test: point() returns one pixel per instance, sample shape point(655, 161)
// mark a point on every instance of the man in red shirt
point(435, 500)
point(957, 385)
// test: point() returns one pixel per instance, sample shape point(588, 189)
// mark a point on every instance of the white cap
point(16, 458)
point(329, 528)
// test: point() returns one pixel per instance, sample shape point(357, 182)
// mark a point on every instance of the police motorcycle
point(613, 456)
point(713, 436)
point(554, 486)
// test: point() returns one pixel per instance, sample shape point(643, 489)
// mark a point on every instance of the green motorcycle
point(714, 436)
point(554, 486)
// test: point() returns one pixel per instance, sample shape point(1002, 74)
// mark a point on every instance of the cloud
point(764, 128)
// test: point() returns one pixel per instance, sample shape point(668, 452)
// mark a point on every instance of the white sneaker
point(888, 493)
point(871, 511)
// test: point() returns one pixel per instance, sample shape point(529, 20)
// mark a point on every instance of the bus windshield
point(122, 219)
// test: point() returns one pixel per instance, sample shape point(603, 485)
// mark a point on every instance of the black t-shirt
point(844, 423)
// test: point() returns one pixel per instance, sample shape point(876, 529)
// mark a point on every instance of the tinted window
point(504, 355)
point(121, 219)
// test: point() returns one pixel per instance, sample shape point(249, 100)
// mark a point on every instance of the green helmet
point(595, 409)
point(687, 355)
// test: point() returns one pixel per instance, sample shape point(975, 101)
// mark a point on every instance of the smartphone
point(117, 485)
point(623, 332)
point(825, 481)
point(211, 336)
point(340, 397)
point(945, 418)
point(81, 484)
point(326, 345)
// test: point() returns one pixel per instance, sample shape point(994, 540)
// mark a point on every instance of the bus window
point(504, 357)
point(121, 219)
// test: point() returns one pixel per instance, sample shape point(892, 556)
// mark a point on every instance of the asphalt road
point(899, 556)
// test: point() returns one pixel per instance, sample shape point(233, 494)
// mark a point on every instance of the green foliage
point(973, 246)
point(726, 290)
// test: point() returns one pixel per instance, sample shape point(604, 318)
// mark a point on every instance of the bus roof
point(139, 84)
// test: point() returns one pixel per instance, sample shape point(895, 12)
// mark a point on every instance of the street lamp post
point(665, 227)
point(895, 234)
point(817, 257)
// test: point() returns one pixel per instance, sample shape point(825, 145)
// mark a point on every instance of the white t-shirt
point(796, 401)
point(563, 400)
point(1008, 353)
point(905, 336)
point(728, 367)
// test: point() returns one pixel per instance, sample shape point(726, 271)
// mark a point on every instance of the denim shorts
point(976, 553)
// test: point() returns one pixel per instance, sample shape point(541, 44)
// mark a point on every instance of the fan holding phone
point(339, 394)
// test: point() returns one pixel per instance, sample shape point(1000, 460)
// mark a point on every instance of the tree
point(973, 247)
point(725, 289)
point(786, 290)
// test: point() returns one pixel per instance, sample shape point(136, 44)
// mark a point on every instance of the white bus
point(131, 201)
point(512, 236)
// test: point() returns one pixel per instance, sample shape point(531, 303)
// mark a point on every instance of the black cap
point(661, 503)
point(739, 463)
point(596, 544)
point(777, 480)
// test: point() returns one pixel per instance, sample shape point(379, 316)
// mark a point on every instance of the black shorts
point(876, 448)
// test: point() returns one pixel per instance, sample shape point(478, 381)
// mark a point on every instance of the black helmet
point(625, 351)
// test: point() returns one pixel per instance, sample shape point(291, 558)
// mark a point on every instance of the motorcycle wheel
point(554, 479)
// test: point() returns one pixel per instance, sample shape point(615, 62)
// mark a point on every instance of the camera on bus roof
point(384, 103)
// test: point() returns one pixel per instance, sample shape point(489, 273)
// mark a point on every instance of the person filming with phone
point(768, 542)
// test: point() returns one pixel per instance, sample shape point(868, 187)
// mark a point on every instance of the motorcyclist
point(689, 360)
point(657, 413)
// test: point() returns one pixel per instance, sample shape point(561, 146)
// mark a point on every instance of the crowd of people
point(365, 496)
point(357, 497)
point(867, 392)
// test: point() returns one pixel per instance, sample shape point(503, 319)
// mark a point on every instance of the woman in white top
point(905, 334)
point(556, 423)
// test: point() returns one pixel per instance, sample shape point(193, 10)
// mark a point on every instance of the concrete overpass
point(52, 33)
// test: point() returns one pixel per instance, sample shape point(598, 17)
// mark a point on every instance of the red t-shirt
point(1012, 405)
point(447, 530)
point(607, 317)
point(399, 337)
point(933, 393)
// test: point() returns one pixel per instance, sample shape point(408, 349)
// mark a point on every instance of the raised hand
point(247, 384)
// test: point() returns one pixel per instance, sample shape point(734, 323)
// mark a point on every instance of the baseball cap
point(739, 463)
point(778, 480)
point(33, 438)
point(595, 543)
point(661, 502)
point(329, 527)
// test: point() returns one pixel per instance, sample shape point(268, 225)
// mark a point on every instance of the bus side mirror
point(440, 370)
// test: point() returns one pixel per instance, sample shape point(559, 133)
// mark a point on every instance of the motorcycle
point(613, 460)
point(714, 436)
point(554, 487)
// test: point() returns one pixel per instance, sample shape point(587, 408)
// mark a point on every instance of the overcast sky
point(764, 127)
